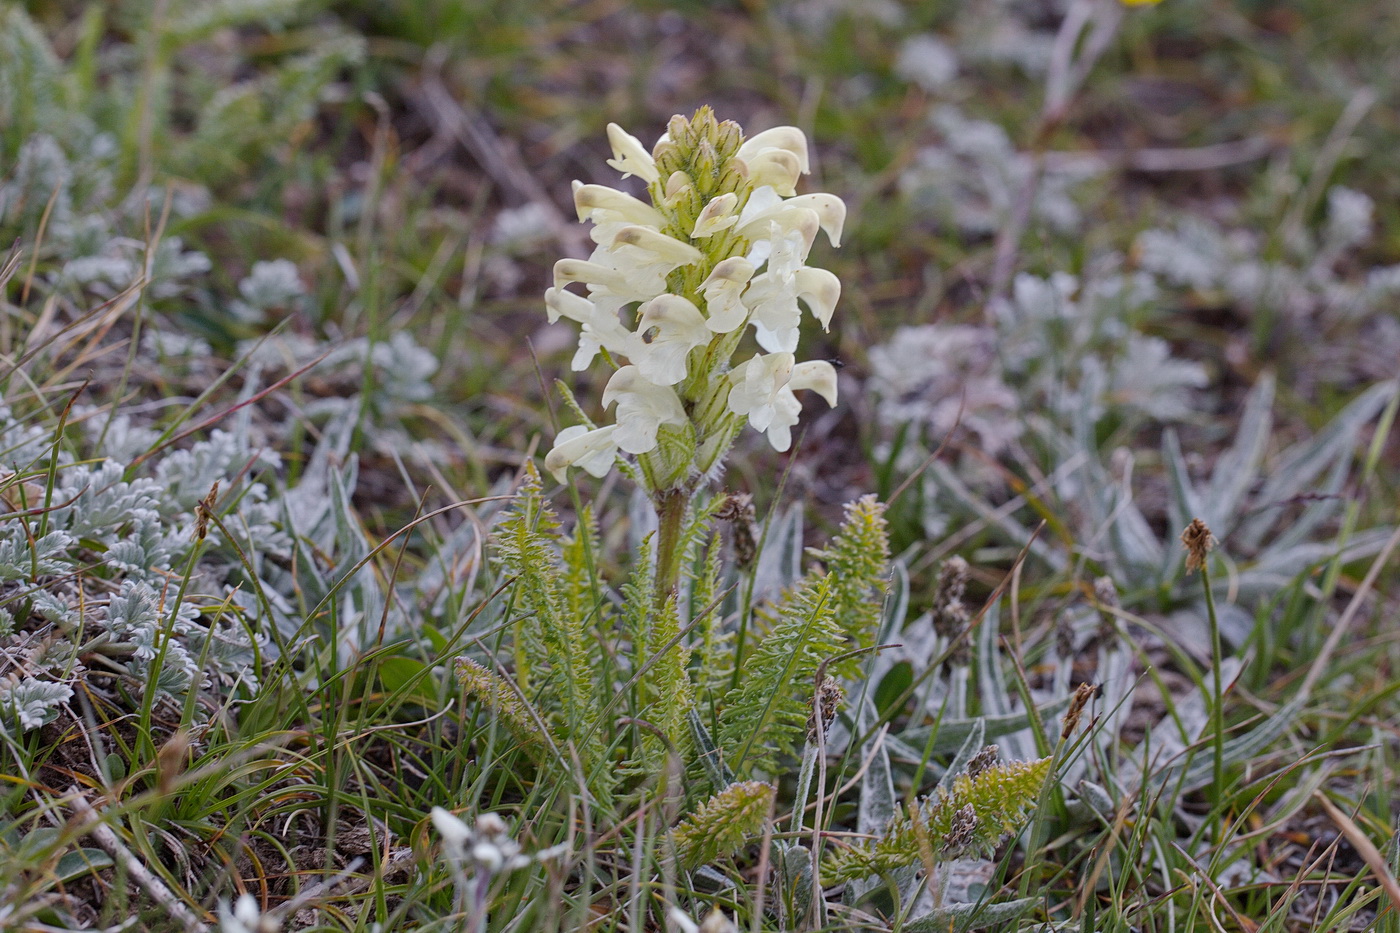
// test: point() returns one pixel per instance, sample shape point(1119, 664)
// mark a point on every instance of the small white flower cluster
point(487, 848)
point(716, 921)
point(673, 285)
point(245, 917)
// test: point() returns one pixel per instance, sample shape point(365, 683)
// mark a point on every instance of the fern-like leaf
point(857, 562)
point(724, 824)
point(552, 636)
point(505, 705)
point(973, 816)
point(766, 714)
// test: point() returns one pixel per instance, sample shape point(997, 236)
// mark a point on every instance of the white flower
point(659, 245)
point(670, 327)
point(633, 267)
point(642, 407)
point(788, 138)
point(723, 290)
point(455, 834)
point(773, 298)
point(246, 918)
point(489, 856)
point(601, 328)
point(716, 216)
point(818, 376)
point(792, 231)
point(629, 156)
point(610, 210)
point(593, 451)
point(764, 391)
point(829, 209)
point(776, 157)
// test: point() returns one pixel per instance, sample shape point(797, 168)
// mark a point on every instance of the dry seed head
point(963, 830)
point(739, 512)
point(982, 761)
point(950, 615)
point(1082, 695)
point(203, 511)
point(1198, 541)
point(827, 700)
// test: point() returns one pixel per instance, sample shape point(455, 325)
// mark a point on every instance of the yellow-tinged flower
point(673, 285)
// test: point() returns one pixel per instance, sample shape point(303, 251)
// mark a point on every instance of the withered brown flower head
point(1198, 541)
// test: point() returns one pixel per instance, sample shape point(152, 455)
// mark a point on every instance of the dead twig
point(108, 841)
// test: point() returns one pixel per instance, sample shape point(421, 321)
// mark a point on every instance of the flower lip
point(630, 156)
point(670, 326)
point(592, 200)
point(788, 138)
point(654, 241)
point(718, 215)
point(642, 407)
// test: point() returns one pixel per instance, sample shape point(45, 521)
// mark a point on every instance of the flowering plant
point(672, 289)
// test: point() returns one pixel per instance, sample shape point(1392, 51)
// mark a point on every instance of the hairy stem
point(671, 508)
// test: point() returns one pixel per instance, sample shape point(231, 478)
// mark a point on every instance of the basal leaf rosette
point(673, 287)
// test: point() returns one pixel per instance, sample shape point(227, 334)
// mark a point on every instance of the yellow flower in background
point(1139, 2)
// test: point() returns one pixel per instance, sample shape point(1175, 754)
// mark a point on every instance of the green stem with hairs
point(671, 508)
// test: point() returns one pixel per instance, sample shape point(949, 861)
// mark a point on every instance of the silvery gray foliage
point(970, 181)
point(937, 377)
point(102, 503)
point(136, 535)
point(29, 703)
point(1302, 282)
point(269, 287)
point(22, 441)
point(1305, 282)
point(928, 61)
point(19, 558)
point(1058, 352)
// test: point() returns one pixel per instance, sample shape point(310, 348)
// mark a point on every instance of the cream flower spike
point(630, 156)
point(719, 241)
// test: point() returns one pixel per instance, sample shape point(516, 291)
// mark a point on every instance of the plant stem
point(671, 508)
point(1217, 706)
